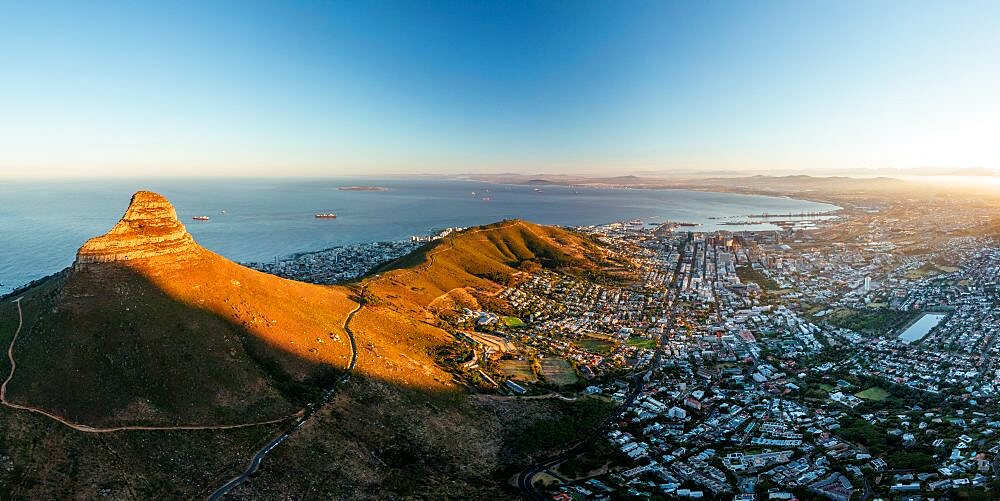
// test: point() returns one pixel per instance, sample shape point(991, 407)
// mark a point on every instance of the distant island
point(363, 188)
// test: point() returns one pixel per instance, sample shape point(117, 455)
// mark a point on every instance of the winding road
point(10, 353)
point(527, 476)
point(93, 429)
point(258, 458)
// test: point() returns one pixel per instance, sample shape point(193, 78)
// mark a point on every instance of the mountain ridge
point(149, 328)
point(147, 342)
point(159, 330)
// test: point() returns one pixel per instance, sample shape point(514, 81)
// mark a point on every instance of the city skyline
point(314, 89)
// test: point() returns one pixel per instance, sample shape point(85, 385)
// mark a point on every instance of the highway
point(258, 458)
point(254, 465)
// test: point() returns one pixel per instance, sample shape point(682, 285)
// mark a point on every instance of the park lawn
point(518, 370)
point(826, 387)
point(558, 371)
point(642, 342)
point(880, 322)
point(747, 274)
point(874, 393)
point(596, 345)
point(513, 322)
point(923, 271)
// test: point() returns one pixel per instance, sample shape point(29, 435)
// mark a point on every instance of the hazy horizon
point(586, 88)
point(969, 175)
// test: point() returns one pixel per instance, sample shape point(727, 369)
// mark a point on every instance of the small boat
point(328, 215)
point(201, 218)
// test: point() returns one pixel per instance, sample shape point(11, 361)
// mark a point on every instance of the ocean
point(43, 223)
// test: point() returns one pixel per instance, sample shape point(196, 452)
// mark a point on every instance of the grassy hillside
point(399, 329)
point(47, 460)
point(215, 344)
point(202, 340)
point(388, 442)
point(484, 258)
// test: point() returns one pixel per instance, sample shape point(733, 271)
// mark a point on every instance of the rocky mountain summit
point(149, 330)
point(149, 229)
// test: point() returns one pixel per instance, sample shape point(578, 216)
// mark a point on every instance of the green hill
point(149, 329)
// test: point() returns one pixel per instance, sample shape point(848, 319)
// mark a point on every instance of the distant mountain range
point(915, 171)
point(665, 177)
point(838, 189)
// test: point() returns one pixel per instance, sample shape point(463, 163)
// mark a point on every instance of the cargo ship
point(326, 216)
point(201, 218)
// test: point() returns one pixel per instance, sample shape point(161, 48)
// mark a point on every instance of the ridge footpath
point(150, 332)
point(148, 329)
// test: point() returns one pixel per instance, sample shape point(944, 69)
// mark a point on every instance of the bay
point(43, 223)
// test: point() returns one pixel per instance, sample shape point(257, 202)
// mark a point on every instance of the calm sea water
point(43, 223)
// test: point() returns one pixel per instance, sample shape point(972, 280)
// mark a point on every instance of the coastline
point(243, 225)
point(700, 189)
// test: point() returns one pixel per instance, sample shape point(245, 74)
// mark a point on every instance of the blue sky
point(343, 88)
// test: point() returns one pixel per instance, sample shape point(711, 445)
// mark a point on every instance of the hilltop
point(406, 297)
point(403, 428)
point(148, 328)
point(484, 258)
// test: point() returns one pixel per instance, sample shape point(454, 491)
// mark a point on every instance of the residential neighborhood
point(781, 364)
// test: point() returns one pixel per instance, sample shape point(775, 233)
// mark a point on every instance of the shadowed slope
point(139, 334)
point(148, 327)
